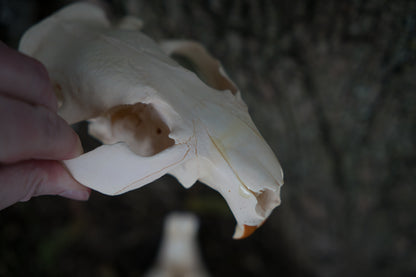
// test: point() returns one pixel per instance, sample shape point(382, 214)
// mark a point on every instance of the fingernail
point(82, 195)
point(80, 149)
point(77, 150)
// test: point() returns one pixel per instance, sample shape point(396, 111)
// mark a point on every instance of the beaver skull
point(153, 115)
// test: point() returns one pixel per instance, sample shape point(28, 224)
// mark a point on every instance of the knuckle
point(45, 129)
point(43, 83)
point(9, 131)
point(52, 125)
point(57, 136)
point(37, 176)
point(40, 69)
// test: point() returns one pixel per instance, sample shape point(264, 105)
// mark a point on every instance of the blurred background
point(332, 87)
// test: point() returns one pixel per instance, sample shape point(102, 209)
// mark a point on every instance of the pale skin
point(33, 138)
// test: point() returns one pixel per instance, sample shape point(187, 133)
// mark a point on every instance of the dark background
point(331, 86)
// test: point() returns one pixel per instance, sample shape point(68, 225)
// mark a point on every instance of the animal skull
point(153, 115)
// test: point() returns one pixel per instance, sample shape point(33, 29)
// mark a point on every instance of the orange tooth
point(248, 230)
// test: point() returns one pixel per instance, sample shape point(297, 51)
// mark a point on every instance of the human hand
point(33, 138)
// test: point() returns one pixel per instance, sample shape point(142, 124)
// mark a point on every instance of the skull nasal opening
point(139, 126)
point(267, 200)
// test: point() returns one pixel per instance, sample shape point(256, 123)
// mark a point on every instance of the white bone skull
point(153, 115)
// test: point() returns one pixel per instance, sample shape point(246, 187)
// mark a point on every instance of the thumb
point(24, 180)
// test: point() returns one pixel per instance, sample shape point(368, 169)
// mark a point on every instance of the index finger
point(24, 78)
point(34, 132)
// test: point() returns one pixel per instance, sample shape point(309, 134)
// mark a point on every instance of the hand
point(33, 138)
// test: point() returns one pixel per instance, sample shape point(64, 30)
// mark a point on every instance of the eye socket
point(138, 125)
point(207, 69)
point(186, 62)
